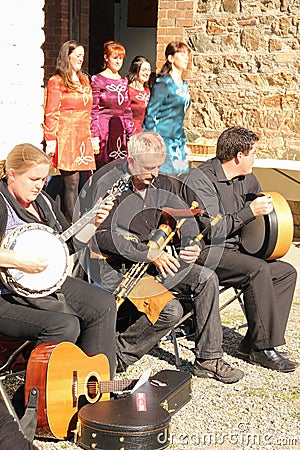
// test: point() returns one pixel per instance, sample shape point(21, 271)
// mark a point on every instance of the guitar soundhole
point(93, 389)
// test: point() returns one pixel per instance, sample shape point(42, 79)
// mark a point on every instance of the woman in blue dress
point(166, 109)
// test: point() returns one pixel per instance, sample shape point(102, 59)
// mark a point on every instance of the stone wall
point(245, 68)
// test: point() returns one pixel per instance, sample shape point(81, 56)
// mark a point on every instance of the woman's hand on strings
point(30, 264)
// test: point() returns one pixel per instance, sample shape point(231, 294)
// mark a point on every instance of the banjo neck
point(120, 186)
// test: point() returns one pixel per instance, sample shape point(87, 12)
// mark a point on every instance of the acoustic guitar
point(67, 379)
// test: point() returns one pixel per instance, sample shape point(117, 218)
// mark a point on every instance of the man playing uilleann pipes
point(123, 238)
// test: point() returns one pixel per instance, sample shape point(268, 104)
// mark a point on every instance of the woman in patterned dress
point(67, 132)
point(139, 92)
point(166, 109)
point(111, 115)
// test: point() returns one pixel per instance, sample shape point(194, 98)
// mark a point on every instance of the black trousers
point(91, 326)
point(142, 335)
point(268, 291)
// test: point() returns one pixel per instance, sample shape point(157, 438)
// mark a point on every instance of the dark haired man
point(225, 184)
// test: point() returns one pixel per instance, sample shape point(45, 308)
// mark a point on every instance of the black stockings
point(70, 192)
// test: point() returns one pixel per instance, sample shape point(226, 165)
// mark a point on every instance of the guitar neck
point(116, 385)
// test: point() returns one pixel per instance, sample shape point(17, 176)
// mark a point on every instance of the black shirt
point(218, 195)
point(125, 233)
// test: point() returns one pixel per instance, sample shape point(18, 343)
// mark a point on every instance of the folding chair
point(27, 424)
point(189, 314)
point(238, 293)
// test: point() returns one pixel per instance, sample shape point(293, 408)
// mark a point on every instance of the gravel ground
point(262, 411)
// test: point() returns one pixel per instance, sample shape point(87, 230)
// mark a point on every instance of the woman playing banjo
point(77, 311)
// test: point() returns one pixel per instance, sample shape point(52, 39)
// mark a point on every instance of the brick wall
point(57, 26)
point(56, 32)
point(173, 17)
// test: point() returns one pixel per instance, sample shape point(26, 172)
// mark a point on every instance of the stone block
point(231, 6)
point(275, 45)
point(214, 28)
point(252, 39)
point(285, 57)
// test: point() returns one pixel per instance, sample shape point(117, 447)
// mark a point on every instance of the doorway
point(113, 20)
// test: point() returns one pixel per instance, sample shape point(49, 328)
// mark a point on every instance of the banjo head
point(37, 240)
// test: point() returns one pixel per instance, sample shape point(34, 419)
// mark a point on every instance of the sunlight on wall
point(21, 93)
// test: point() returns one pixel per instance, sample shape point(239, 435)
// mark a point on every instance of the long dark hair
point(63, 67)
point(135, 67)
point(172, 48)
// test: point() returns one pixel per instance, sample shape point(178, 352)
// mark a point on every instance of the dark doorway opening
point(101, 30)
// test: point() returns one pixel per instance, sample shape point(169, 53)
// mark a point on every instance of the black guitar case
point(140, 420)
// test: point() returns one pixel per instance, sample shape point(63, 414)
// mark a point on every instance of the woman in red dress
point(67, 133)
point(139, 92)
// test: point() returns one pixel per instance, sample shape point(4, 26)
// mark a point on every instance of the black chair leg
point(9, 405)
point(176, 350)
point(27, 423)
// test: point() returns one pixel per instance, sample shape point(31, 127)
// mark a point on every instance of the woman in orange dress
point(67, 122)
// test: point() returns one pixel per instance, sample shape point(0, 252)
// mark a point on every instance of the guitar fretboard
point(116, 385)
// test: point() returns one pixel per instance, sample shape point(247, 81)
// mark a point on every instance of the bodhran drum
point(270, 236)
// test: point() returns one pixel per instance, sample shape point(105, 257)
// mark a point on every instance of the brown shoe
point(218, 369)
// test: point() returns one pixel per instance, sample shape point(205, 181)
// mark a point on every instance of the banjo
point(33, 238)
point(270, 236)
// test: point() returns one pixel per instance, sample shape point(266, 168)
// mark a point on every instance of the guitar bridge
point(75, 388)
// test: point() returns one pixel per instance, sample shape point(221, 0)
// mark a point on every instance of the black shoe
point(218, 369)
point(272, 359)
point(244, 349)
